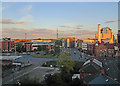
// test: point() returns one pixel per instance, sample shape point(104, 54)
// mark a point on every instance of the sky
point(73, 19)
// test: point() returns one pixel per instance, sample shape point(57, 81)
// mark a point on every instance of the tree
point(39, 48)
point(20, 47)
point(65, 62)
point(76, 82)
point(54, 80)
point(57, 50)
point(27, 81)
point(58, 43)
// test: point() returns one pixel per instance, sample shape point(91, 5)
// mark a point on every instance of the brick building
point(28, 47)
point(104, 50)
point(90, 67)
point(6, 44)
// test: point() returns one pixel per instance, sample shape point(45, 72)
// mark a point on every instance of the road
point(76, 54)
point(37, 62)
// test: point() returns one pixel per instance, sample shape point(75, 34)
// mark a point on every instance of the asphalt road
point(37, 62)
point(76, 54)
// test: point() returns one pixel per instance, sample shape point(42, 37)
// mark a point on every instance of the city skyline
point(73, 19)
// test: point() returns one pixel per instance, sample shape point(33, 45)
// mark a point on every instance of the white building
point(84, 45)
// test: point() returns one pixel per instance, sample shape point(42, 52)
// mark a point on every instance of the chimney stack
point(93, 57)
point(102, 71)
point(91, 61)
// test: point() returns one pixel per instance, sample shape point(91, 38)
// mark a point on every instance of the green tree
point(58, 43)
point(20, 47)
point(54, 80)
point(57, 50)
point(76, 82)
point(39, 48)
point(27, 81)
point(65, 62)
point(43, 48)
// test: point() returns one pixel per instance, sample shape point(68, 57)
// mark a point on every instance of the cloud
point(78, 27)
point(9, 21)
point(112, 21)
point(2, 7)
point(74, 27)
point(26, 9)
point(31, 33)
point(45, 33)
point(64, 26)
point(27, 19)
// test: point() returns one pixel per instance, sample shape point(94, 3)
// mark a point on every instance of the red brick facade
point(28, 47)
point(6, 45)
point(104, 50)
point(101, 49)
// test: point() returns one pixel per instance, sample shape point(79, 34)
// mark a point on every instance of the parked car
point(8, 54)
point(24, 53)
point(37, 53)
point(28, 53)
point(74, 52)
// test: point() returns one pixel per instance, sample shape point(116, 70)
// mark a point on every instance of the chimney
point(102, 71)
point(93, 57)
point(91, 61)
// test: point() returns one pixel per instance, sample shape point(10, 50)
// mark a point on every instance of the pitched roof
point(90, 68)
point(89, 78)
point(99, 79)
point(95, 61)
point(102, 79)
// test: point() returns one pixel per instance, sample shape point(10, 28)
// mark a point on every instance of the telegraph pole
point(25, 36)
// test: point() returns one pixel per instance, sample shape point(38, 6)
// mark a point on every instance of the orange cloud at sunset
point(9, 21)
point(45, 33)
